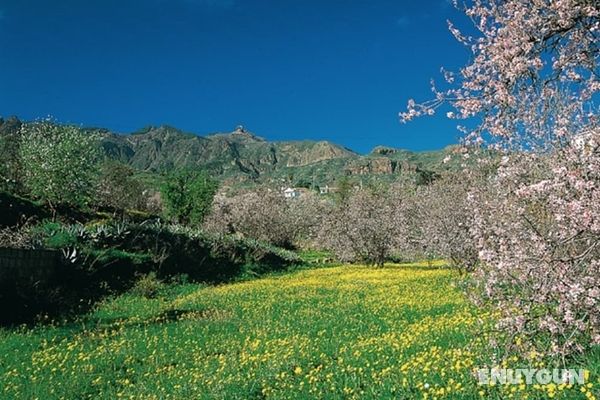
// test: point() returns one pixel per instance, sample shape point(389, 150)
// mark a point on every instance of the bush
point(17, 238)
point(110, 258)
point(147, 286)
point(53, 235)
point(118, 188)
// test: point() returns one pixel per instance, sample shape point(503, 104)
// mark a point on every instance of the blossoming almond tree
point(538, 228)
point(444, 221)
point(265, 215)
point(366, 227)
point(533, 75)
point(532, 84)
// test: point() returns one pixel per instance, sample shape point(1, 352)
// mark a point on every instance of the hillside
point(241, 157)
point(238, 154)
point(270, 336)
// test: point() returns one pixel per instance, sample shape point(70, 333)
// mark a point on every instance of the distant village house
point(291, 193)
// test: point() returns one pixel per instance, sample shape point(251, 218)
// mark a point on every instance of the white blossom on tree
point(59, 162)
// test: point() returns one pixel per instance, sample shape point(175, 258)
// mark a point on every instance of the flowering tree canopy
point(366, 226)
point(260, 214)
point(443, 219)
point(531, 85)
point(59, 162)
point(538, 231)
point(533, 75)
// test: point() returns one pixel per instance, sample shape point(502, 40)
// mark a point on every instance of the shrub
point(16, 210)
point(10, 167)
point(53, 235)
point(105, 259)
point(148, 286)
point(123, 249)
point(17, 237)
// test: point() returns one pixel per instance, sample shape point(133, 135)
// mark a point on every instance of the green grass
point(350, 332)
point(316, 256)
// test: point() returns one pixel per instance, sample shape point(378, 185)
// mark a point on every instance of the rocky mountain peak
point(383, 150)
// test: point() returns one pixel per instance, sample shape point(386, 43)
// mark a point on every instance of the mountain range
point(242, 157)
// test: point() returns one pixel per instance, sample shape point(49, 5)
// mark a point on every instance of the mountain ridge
point(242, 156)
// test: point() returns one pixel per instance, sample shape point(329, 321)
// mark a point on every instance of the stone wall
point(20, 265)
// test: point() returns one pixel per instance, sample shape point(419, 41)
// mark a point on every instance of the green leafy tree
point(59, 163)
point(188, 195)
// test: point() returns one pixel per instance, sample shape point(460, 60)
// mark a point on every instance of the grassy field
point(350, 332)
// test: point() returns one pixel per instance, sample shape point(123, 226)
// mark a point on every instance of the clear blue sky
point(285, 69)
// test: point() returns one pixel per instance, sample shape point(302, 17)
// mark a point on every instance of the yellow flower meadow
point(348, 332)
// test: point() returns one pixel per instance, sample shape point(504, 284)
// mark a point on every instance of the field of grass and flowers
point(350, 332)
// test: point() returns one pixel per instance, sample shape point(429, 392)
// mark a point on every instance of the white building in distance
point(291, 193)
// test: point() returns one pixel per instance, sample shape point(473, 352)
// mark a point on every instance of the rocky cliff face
point(383, 151)
point(379, 166)
point(368, 166)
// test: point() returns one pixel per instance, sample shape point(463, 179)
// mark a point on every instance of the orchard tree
point(366, 227)
point(306, 215)
point(220, 219)
point(59, 163)
point(344, 190)
point(538, 227)
point(443, 220)
point(261, 214)
point(533, 75)
point(188, 195)
point(531, 84)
